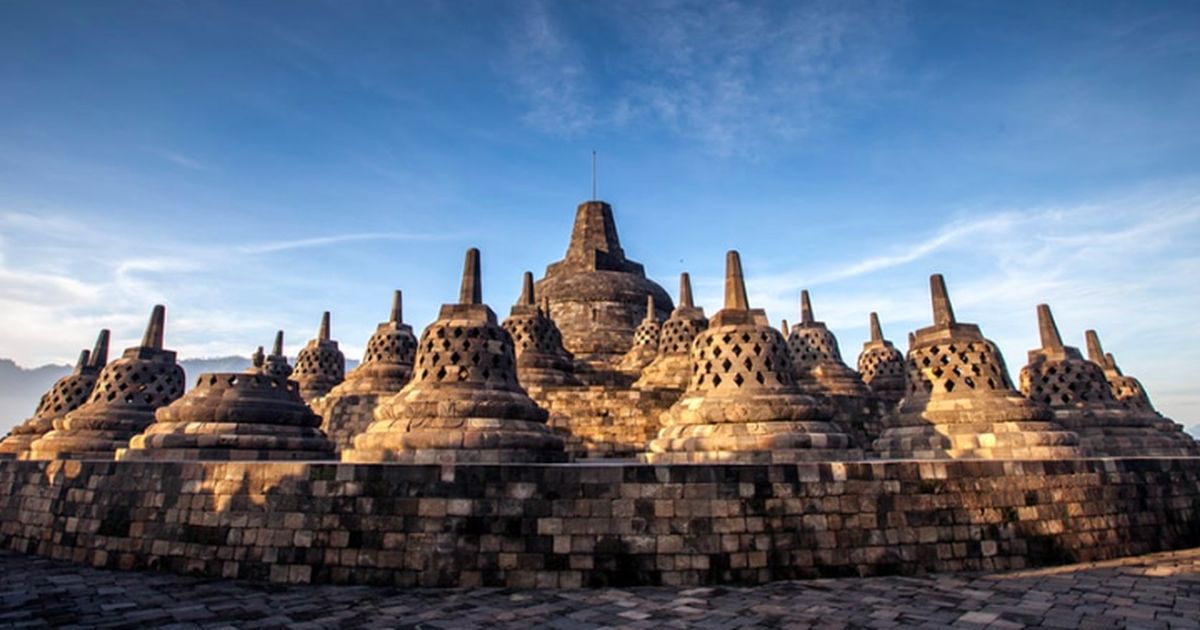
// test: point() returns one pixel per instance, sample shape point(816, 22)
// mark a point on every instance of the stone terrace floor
point(1153, 591)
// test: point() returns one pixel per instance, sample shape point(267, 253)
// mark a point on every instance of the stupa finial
point(806, 313)
point(257, 359)
point(83, 360)
point(650, 309)
point(876, 329)
point(1111, 363)
point(1047, 329)
point(1094, 350)
point(735, 283)
point(397, 316)
point(528, 297)
point(99, 354)
point(685, 291)
point(154, 330)
point(472, 285)
point(277, 349)
point(323, 332)
point(784, 328)
point(943, 311)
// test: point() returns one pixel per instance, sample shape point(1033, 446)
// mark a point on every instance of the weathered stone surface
point(645, 342)
point(882, 365)
point(596, 295)
point(320, 365)
point(232, 416)
point(742, 403)
point(1079, 394)
point(464, 403)
point(672, 366)
point(122, 402)
point(604, 422)
point(67, 393)
point(541, 359)
point(349, 408)
point(961, 402)
point(546, 526)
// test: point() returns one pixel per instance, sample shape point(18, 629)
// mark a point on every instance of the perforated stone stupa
point(122, 403)
point(542, 361)
point(742, 403)
point(672, 365)
point(320, 366)
point(1126, 389)
point(68, 393)
point(348, 409)
point(882, 365)
point(645, 341)
point(960, 401)
point(233, 417)
point(274, 364)
point(597, 296)
point(464, 403)
point(817, 358)
point(1078, 393)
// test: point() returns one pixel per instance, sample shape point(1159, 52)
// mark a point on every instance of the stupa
point(320, 365)
point(645, 341)
point(274, 364)
point(820, 370)
point(464, 403)
point(672, 365)
point(960, 401)
point(742, 403)
point(67, 393)
point(882, 365)
point(541, 359)
point(233, 417)
point(1078, 393)
point(122, 403)
point(386, 367)
point(1126, 389)
point(597, 296)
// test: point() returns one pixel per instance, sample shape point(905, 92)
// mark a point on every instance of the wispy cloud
point(176, 158)
point(548, 70)
point(338, 239)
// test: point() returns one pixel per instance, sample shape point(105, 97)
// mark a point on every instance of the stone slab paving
point(1152, 591)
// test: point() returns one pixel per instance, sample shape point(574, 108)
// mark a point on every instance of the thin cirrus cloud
point(339, 239)
point(729, 76)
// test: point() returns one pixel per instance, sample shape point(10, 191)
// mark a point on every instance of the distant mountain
point(22, 388)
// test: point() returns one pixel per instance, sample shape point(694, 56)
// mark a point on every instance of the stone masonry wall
point(593, 524)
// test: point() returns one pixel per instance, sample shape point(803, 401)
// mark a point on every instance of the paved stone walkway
point(1154, 591)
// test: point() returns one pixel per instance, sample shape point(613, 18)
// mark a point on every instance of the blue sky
point(253, 163)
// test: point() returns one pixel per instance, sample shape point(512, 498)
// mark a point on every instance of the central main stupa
point(597, 296)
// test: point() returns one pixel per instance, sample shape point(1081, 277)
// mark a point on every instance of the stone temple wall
point(575, 525)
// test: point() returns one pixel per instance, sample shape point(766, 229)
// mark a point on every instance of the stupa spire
point(685, 291)
point(323, 332)
point(397, 315)
point(277, 348)
point(527, 293)
point(1095, 351)
point(784, 329)
point(943, 311)
point(1047, 329)
point(258, 358)
point(471, 291)
point(735, 283)
point(806, 312)
point(650, 309)
point(153, 338)
point(99, 354)
point(83, 360)
point(876, 329)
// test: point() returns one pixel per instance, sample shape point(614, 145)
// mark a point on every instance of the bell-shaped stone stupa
point(742, 403)
point(320, 366)
point(1078, 393)
point(121, 404)
point(820, 370)
point(672, 365)
point(597, 296)
point(882, 365)
point(233, 417)
point(464, 403)
point(645, 341)
point(274, 364)
point(960, 401)
point(1126, 389)
point(68, 393)
point(386, 368)
point(542, 361)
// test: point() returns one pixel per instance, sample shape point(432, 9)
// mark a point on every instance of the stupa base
point(453, 456)
point(218, 455)
point(787, 456)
